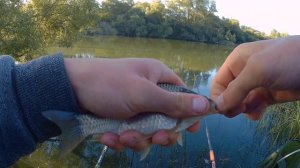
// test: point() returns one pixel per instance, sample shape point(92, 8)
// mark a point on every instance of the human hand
point(256, 75)
point(122, 88)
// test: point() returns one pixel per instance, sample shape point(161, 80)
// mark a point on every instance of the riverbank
point(281, 123)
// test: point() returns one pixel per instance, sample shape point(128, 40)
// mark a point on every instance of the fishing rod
point(98, 165)
point(211, 151)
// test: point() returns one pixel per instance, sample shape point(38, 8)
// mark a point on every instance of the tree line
point(27, 27)
point(192, 20)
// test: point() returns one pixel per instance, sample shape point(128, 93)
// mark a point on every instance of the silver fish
point(75, 127)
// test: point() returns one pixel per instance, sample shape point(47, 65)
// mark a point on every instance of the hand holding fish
point(123, 88)
point(256, 75)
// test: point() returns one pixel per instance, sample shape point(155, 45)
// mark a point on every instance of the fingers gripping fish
point(75, 127)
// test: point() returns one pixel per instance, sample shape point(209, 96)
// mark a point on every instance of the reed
point(281, 123)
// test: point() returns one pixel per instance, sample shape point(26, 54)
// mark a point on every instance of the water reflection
point(180, 54)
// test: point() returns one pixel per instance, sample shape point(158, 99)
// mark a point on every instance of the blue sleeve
point(26, 90)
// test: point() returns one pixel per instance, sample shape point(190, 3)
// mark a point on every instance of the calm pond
point(233, 140)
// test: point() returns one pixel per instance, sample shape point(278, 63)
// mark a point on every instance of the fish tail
point(70, 127)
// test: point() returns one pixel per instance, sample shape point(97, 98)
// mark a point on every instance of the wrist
point(78, 72)
point(72, 74)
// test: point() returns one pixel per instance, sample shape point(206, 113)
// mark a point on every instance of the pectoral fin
point(145, 153)
point(95, 137)
point(179, 139)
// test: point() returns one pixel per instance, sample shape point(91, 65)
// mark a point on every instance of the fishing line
point(211, 151)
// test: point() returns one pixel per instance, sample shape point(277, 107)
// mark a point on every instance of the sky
point(263, 15)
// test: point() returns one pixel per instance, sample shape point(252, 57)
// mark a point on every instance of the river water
point(233, 140)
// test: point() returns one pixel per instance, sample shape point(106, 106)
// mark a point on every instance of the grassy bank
point(281, 123)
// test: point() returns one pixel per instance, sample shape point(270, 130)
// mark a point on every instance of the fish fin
point(179, 139)
point(187, 122)
point(145, 153)
point(70, 127)
point(95, 137)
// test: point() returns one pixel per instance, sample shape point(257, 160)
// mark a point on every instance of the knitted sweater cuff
point(42, 85)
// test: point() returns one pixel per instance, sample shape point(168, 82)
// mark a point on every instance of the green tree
point(61, 21)
point(157, 7)
point(27, 28)
point(157, 25)
point(143, 6)
point(230, 37)
point(111, 9)
point(275, 34)
point(193, 20)
point(19, 34)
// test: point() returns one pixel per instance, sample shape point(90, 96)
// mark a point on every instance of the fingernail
point(109, 142)
point(162, 141)
point(132, 143)
point(199, 105)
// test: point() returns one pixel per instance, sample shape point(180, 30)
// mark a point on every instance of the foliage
point(19, 34)
point(27, 28)
point(288, 155)
point(61, 20)
point(275, 34)
point(176, 19)
point(280, 125)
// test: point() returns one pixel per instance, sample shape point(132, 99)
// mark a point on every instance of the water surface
point(233, 140)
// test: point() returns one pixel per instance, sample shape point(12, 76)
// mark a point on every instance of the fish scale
point(148, 123)
point(75, 127)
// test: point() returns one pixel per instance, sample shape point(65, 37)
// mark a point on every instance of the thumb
point(238, 89)
point(174, 104)
point(186, 105)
